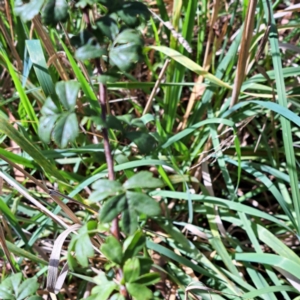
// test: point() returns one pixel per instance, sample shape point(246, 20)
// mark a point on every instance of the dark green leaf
point(67, 92)
point(139, 291)
point(144, 141)
point(112, 250)
point(27, 288)
point(89, 51)
point(66, 129)
point(55, 11)
point(133, 244)
point(46, 126)
point(148, 279)
point(81, 39)
point(108, 27)
point(131, 269)
point(83, 249)
point(49, 108)
point(133, 13)
point(143, 203)
point(27, 11)
point(110, 4)
point(85, 3)
point(35, 298)
point(127, 50)
point(129, 219)
point(146, 264)
point(112, 208)
point(113, 122)
point(143, 180)
point(105, 188)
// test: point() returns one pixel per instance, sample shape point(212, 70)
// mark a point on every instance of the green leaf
point(105, 188)
point(146, 264)
point(117, 297)
point(148, 279)
point(27, 288)
point(46, 126)
point(27, 11)
point(108, 27)
point(66, 129)
point(89, 51)
point(67, 92)
point(144, 141)
point(113, 122)
point(35, 298)
point(55, 11)
point(12, 283)
point(133, 244)
point(110, 4)
point(83, 247)
point(127, 50)
point(133, 13)
point(139, 291)
point(112, 250)
point(129, 220)
point(104, 287)
point(112, 208)
point(4, 294)
point(131, 269)
point(143, 180)
point(81, 39)
point(49, 108)
point(143, 204)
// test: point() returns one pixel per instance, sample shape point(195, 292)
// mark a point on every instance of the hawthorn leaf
point(105, 188)
point(27, 288)
point(129, 220)
point(46, 126)
point(27, 11)
point(49, 107)
point(126, 50)
point(133, 244)
point(148, 279)
point(89, 51)
point(143, 203)
point(131, 269)
point(66, 129)
point(83, 249)
point(112, 250)
point(108, 27)
point(112, 207)
point(55, 11)
point(67, 92)
point(104, 287)
point(133, 13)
point(144, 141)
point(139, 291)
point(143, 180)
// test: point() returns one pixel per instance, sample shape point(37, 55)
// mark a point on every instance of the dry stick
point(157, 83)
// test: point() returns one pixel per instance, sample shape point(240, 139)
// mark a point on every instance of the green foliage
point(13, 288)
point(55, 11)
point(60, 125)
point(206, 189)
point(123, 200)
point(28, 10)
